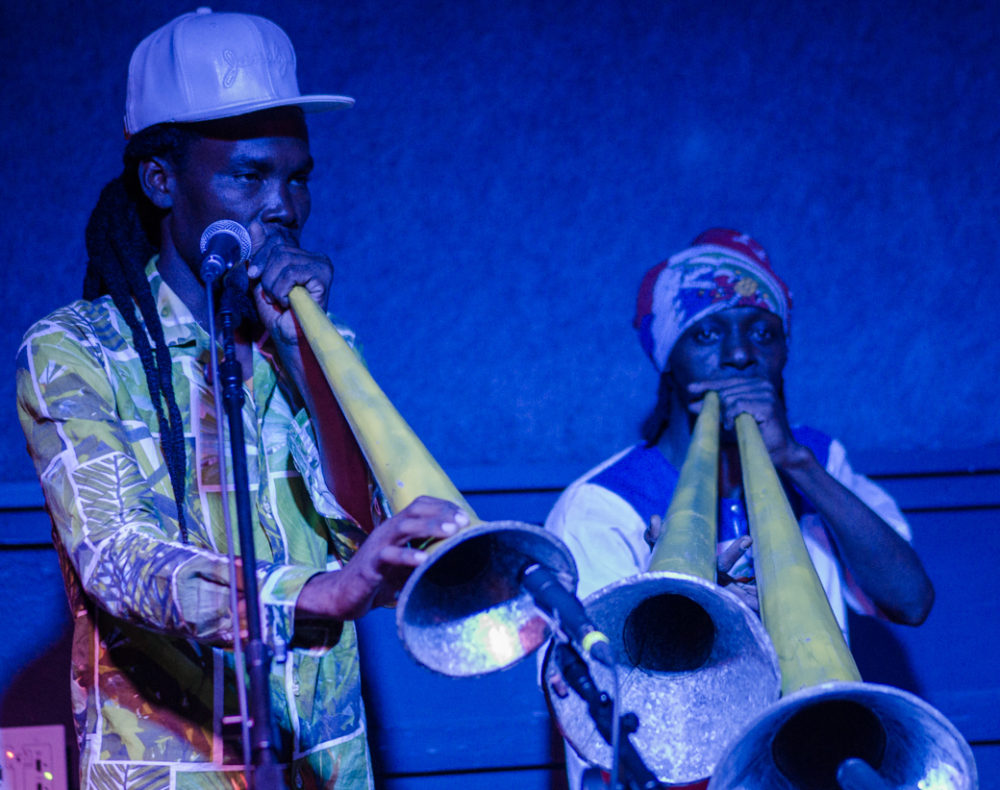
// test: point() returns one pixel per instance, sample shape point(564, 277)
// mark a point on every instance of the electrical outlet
point(33, 758)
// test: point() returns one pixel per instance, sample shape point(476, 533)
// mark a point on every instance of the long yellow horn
point(399, 460)
point(690, 528)
point(828, 720)
point(695, 664)
point(462, 612)
point(794, 607)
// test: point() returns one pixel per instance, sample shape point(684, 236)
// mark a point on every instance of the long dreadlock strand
point(122, 235)
point(658, 419)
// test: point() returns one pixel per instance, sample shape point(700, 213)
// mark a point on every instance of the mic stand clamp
point(600, 706)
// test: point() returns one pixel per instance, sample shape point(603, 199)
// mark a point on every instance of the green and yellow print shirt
point(152, 672)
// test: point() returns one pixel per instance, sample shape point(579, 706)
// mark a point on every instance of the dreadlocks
point(122, 234)
point(658, 419)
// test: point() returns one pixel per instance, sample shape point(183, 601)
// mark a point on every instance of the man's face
point(741, 342)
point(254, 170)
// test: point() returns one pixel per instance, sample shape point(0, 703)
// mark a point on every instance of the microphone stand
point(577, 675)
point(262, 769)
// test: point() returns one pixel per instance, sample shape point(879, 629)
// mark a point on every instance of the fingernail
point(420, 556)
point(449, 527)
point(461, 518)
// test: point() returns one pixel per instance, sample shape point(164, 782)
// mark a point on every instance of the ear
point(157, 179)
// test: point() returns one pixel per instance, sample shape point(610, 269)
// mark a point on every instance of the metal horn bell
point(803, 741)
point(463, 612)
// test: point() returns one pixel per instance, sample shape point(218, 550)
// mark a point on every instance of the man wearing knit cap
point(715, 316)
point(116, 402)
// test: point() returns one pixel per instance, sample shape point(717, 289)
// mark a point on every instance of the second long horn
point(695, 663)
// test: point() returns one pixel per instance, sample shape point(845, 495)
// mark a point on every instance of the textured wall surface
point(512, 167)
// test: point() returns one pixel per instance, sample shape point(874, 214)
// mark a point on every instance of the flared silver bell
point(800, 743)
point(694, 664)
point(463, 612)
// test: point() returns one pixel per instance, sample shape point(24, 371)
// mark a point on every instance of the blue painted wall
point(511, 169)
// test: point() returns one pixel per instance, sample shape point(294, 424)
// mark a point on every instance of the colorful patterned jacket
point(152, 672)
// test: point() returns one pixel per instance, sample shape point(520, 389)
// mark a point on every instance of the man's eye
point(248, 177)
point(705, 336)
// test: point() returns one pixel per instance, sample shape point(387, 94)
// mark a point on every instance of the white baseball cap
point(203, 66)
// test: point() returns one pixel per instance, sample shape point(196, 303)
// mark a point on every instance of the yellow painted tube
point(688, 541)
point(796, 613)
point(401, 464)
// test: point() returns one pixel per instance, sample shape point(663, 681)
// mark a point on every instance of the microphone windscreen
point(230, 228)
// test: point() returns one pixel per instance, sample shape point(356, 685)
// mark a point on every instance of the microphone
point(551, 597)
point(575, 672)
point(224, 244)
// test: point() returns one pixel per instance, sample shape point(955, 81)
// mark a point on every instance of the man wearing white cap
point(115, 398)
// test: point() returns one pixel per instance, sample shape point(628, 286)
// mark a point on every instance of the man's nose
point(280, 207)
point(737, 351)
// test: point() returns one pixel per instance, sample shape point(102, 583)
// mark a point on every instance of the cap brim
point(313, 103)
